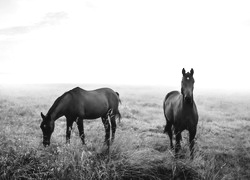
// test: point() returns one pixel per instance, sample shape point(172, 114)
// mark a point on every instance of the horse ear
point(42, 115)
point(183, 71)
point(192, 72)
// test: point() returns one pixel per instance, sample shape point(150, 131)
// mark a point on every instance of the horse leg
point(69, 128)
point(81, 129)
point(168, 129)
point(113, 127)
point(178, 139)
point(192, 134)
point(106, 124)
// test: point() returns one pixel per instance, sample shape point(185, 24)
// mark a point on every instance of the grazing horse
point(78, 104)
point(180, 111)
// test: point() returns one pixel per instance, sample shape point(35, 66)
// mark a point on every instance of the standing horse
point(180, 111)
point(78, 104)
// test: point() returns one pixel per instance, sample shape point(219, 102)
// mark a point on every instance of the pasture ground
point(140, 150)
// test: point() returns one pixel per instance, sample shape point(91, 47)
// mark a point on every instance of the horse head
point(47, 127)
point(187, 86)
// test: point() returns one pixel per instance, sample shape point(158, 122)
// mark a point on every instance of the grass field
point(140, 150)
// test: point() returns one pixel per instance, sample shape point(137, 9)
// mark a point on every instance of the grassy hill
point(140, 150)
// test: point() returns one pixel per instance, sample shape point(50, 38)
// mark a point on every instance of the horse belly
point(95, 110)
point(94, 114)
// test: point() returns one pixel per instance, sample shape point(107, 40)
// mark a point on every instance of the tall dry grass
point(140, 150)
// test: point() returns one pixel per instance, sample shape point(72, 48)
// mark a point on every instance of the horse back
point(91, 104)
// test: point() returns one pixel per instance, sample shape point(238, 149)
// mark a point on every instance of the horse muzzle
point(46, 142)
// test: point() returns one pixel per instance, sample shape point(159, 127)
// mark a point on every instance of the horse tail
point(119, 116)
point(118, 97)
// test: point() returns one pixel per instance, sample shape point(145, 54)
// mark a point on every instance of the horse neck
point(186, 105)
point(55, 110)
point(55, 115)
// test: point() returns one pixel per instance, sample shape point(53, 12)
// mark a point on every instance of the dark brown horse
point(180, 111)
point(78, 104)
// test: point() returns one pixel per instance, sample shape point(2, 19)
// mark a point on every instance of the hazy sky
point(125, 42)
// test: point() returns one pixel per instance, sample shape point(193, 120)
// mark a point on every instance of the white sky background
point(138, 42)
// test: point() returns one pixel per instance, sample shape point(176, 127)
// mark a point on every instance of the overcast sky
point(125, 42)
